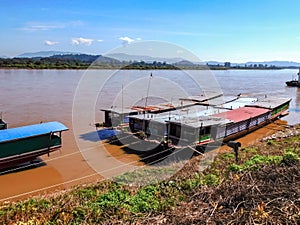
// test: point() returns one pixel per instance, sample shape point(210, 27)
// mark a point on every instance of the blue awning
point(30, 131)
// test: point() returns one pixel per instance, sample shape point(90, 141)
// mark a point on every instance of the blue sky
point(223, 30)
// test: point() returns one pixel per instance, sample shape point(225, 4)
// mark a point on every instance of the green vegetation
point(263, 187)
point(84, 61)
point(80, 61)
point(42, 63)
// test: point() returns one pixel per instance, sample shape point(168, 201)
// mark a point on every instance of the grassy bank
point(263, 187)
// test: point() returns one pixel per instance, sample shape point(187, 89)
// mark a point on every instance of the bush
point(290, 159)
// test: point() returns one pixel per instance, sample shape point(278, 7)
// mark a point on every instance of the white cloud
point(100, 40)
point(83, 41)
point(126, 40)
point(33, 26)
point(138, 39)
point(49, 43)
point(42, 26)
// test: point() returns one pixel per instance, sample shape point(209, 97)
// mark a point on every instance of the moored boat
point(23, 144)
point(203, 123)
point(294, 83)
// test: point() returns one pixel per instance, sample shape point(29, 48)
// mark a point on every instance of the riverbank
point(263, 187)
point(82, 61)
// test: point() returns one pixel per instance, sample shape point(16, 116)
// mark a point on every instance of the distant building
point(227, 64)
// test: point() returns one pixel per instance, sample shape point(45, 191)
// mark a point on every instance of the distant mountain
point(214, 63)
point(86, 58)
point(268, 63)
point(276, 63)
point(3, 57)
point(184, 63)
point(43, 54)
point(145, 58)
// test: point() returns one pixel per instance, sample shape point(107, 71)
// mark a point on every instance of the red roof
point(242, 113)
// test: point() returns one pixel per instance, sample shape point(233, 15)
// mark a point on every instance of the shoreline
point(121, 68)
point(172, 197)
point(250, 139)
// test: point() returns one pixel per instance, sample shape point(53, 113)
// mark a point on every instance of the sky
point(221, 30)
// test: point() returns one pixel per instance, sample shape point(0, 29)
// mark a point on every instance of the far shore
point(135, 68)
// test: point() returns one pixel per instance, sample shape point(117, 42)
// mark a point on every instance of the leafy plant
point(290, 158)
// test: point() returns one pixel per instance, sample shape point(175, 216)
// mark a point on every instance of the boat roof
point(239, 102)
point(181, 114)
point(202, 97)
point(119, 110)
point(241, 114)
point(269, 102)
point(30, 131)
point(201, 121)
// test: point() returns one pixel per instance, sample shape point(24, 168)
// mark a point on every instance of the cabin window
point(175, 130)
point(108, 115)
point(157, 129)
point(115, 115)
point(188, 133)
point(243, 125)
point(204, 130)
point(231, 129)
point(221, 131)
point(55, 134)
point(137, 125)
point(261, 119)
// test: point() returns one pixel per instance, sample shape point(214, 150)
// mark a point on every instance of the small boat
point(294, 83)
point(24, 144)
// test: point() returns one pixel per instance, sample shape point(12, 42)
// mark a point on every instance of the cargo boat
point(23, 144)
point(294, 83)
point(218, 123)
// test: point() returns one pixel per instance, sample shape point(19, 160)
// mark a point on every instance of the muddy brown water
point(33, 96)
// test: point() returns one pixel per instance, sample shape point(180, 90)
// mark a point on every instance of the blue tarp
point(30, 131)
point(107, 133)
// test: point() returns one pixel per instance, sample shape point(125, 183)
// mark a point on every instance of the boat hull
point(293, 83)
point(15, 160)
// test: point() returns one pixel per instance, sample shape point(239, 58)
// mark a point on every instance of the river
point(34, 96)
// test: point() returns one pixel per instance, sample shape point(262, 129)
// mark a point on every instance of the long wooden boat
point(23, 144)
point(198, 121)
point(209, 125)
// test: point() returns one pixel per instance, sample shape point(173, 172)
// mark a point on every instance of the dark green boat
point(23, 144)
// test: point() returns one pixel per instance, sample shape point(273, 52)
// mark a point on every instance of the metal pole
point(148, 88)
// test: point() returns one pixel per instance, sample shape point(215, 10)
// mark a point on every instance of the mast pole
point(148, 88)
point(122, 106)
point(299, 77)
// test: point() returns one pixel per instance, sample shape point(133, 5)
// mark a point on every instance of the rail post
point(235, 146)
